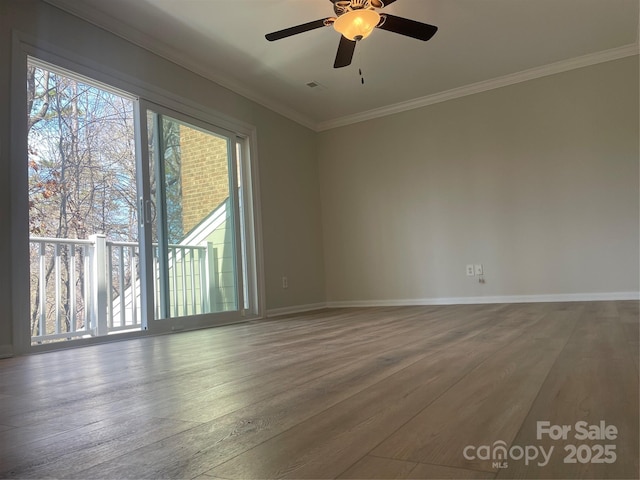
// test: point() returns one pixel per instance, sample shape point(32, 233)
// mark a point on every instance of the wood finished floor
point(348, 393)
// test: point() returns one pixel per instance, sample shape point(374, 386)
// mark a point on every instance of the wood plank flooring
point(346, 393)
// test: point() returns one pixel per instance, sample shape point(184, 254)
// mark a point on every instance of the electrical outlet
point(470, 271)
point(285, 282)
point(479, 270)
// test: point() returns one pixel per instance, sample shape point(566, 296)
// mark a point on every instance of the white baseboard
point(277, 312)
point(552, 298)
point(6, 351)
point(570, 297)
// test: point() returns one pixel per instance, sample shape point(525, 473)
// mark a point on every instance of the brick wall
point(205, 179)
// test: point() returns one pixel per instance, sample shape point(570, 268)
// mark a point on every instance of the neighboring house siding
point(221, 239)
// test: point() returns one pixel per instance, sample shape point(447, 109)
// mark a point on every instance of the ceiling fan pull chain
point(358, 60)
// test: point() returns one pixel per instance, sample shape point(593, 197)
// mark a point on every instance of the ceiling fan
point(355, 20)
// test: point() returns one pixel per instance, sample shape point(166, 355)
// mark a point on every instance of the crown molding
point(486, 85)
point(118, 28)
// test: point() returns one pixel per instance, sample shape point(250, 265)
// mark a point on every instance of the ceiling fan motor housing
point(343, 6)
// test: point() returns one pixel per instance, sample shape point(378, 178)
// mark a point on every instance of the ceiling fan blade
point(305, 27)
point(386, 3)
point(407, 27)
point(345, 52)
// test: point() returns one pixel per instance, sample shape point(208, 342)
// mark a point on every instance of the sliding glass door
point(195, 218)
point(140, 217)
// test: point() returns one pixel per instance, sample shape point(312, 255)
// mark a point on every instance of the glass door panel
point(194, 232)
point(83, 216)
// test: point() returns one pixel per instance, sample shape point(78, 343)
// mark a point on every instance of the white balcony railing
point(92, 287)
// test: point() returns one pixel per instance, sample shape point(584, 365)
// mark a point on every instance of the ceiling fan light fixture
point(357, 24)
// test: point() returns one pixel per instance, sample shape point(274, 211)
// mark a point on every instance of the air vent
point(316, 86)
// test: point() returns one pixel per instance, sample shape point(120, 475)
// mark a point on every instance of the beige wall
point(537, 181)
point(5, 193)
point(286, 153)
point(292, 219)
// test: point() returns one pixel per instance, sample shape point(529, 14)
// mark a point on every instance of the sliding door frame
point(167, 322)
point(148, 95)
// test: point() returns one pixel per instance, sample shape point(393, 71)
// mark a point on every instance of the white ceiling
point(480, 43)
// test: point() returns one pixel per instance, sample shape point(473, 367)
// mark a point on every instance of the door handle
point(145, 211)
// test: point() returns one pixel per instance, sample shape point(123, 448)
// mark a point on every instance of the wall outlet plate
point(479, 269)
point(470, 271)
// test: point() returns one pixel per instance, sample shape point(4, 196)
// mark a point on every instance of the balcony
point(83, 288)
